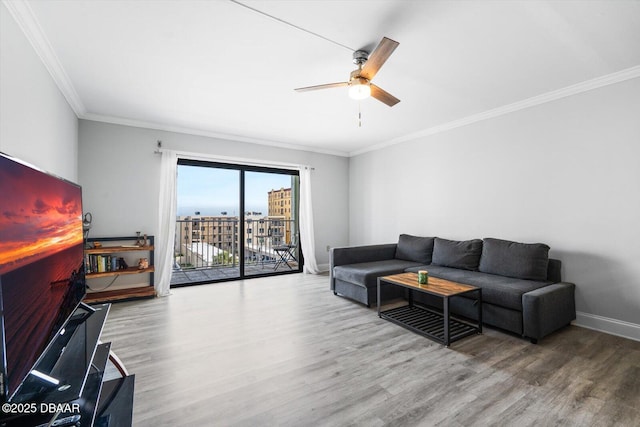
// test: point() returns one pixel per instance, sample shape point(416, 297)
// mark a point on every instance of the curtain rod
point(234, 160)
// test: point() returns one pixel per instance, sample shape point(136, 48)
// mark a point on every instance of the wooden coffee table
point(440, 327)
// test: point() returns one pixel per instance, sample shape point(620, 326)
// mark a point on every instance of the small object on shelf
point(97, 245)
point(140, 240)
point(86, 226)
point(122, 264)
point(143, 263)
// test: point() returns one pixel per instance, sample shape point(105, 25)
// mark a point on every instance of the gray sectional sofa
point(522, 290)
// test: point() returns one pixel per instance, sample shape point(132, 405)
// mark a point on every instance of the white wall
point(36, 123)
point(565, 173)
point(120, 175)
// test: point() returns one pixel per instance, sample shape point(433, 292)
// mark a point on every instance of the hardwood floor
point(285, 351)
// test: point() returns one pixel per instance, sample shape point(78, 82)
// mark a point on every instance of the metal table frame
point(439, 327)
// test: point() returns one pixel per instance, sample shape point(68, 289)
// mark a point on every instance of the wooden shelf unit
point(114, 295)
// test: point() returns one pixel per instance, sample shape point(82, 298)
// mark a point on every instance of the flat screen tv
point(41, 264)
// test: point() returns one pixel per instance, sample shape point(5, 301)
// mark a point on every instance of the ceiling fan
point(360, 86)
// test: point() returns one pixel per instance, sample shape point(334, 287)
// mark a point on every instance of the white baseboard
point(610, 326)
point(323, 267)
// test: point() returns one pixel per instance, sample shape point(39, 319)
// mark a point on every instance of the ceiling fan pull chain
point(359, 114)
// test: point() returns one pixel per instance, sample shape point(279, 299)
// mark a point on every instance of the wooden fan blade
point(383, 96)
point(327, 86)
point(379, 56)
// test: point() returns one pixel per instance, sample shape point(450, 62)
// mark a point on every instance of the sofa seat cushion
point(499, 290)
point(366, 273)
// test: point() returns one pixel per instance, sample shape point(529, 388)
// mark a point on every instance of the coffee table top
point(436, 286)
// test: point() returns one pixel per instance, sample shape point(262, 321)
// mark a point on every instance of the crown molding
point(209, 134)
point(28, 23)
point(598, 82)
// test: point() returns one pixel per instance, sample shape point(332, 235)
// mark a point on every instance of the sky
point(39, 215)
point(211, 191)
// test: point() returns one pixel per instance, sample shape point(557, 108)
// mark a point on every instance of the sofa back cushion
point(463, 254)
point(527, 261)
point(414, 248)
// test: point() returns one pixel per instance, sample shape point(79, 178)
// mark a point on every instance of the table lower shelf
point(428, 323)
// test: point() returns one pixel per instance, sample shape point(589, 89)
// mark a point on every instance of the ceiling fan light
point(359, 89)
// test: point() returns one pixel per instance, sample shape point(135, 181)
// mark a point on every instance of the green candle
point(423, 277)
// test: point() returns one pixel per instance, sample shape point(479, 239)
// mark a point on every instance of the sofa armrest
point(548, 309)
point(356, 254)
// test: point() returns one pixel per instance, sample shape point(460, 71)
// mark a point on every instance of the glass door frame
point(242, 169)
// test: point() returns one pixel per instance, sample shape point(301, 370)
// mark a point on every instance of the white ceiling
point(217, 68)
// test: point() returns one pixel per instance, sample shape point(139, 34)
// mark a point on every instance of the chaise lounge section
point(522, 288)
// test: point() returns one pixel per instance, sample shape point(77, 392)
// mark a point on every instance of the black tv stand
point(86, 307)
point(67, 386)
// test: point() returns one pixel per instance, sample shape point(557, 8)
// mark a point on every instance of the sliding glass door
point(271, 224)
point(235, 221)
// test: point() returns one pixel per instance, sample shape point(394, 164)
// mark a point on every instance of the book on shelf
point(103, 263)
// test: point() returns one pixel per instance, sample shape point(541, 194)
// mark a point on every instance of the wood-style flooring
point(284, 351)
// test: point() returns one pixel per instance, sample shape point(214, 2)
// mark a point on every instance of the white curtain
point(307, 238)
point(167, 222)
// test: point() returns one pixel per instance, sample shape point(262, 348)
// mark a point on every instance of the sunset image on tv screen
point(41, 263)
point(38, 215)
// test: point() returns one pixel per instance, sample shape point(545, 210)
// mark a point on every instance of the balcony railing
point(211, 245)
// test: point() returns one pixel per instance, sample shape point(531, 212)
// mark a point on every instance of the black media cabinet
point(67, 387)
